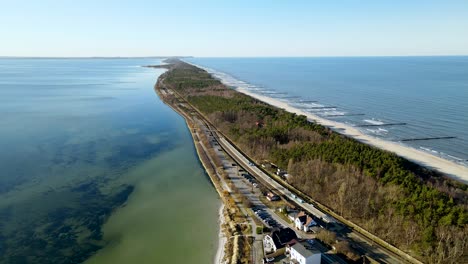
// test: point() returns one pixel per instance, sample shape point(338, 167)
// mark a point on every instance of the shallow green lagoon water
point(79, 138)
point(175, 222)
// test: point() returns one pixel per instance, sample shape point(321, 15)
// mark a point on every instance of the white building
point(304, 222)
point(300, 255)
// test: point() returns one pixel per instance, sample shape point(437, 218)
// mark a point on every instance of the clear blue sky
point(233, 28)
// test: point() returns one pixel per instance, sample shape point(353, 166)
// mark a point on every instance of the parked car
point(261, 212)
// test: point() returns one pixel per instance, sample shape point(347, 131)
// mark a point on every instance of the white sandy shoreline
point(450, 168)
point(221, 238)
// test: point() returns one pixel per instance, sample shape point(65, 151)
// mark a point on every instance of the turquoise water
point(82, 137)
point(429, 94)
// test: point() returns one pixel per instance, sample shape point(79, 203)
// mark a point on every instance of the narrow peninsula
point(355, 202)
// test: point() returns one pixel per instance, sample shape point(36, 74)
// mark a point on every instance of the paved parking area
point(231, 168)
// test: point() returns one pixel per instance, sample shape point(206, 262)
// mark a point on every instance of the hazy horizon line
point(170, 56)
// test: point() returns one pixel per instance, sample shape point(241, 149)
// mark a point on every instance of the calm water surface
point(82, 137)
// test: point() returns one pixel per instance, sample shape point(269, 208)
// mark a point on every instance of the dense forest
point(416, 209)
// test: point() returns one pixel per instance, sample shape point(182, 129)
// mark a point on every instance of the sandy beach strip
point(450, 168)
point(221, 238)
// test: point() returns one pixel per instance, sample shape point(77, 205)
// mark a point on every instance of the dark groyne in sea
point(426, 138)
point(379, 125)
point(321, 107)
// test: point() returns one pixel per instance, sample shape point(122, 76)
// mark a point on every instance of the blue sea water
point(428, 94)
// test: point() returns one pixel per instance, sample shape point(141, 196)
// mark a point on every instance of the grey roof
point(294, 213)
point(303, 251)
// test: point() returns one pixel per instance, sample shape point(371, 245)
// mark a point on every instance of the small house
point(278, 239)
point(304, 222)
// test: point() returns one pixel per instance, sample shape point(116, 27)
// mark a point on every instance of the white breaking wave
point(455, 158)
point(378, 131)
point(429, 150)
point(445, 155)
point(333, 113)
point(373, 121)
